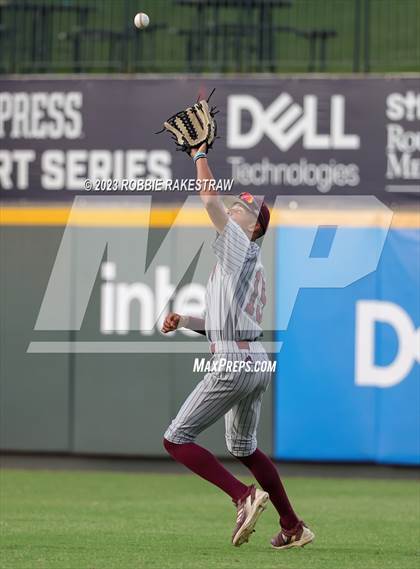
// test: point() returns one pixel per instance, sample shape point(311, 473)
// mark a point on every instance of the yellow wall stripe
point(164, 217)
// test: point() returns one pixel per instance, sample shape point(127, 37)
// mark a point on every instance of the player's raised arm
point(210, 197)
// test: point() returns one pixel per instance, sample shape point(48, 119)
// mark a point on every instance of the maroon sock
point(267, 476)
point(206, 465)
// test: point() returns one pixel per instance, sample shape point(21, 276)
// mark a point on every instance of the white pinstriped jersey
point(235, 300)
point(235, 295)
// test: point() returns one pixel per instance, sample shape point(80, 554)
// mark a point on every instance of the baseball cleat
point(299, 536)
point(249, 510)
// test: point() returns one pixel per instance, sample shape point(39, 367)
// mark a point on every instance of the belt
point(242, 345)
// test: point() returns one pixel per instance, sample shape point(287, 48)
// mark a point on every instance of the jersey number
point(257, 298)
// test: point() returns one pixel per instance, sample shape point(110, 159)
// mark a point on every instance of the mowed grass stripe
point(90, 520)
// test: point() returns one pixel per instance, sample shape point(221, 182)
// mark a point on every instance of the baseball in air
point(141, 20)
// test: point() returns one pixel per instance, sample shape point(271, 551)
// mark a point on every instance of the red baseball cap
point(254, 204)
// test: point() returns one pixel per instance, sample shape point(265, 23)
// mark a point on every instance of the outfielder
point(235, 300)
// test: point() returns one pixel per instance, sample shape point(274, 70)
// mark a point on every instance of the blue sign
point(348, 375)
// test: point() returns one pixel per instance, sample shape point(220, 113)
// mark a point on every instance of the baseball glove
point(193, 126)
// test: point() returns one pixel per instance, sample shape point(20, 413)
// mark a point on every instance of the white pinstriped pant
point(236, 395)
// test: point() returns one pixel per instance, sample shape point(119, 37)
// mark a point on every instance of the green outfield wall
point(95, 403)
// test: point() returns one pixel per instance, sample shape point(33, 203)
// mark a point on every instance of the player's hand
point(171, 322)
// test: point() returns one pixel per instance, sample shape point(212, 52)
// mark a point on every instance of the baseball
point(141, 20)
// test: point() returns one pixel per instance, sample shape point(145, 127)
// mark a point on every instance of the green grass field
point(84, 520)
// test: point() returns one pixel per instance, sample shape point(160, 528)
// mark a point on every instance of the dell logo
point(285, 122)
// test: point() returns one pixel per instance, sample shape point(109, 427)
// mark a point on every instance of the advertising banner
point(278, 135)
point(348, 380)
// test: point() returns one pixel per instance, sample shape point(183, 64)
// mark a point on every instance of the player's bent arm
point(210, 197)
point(193, 323)
point(173, 321)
